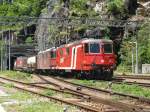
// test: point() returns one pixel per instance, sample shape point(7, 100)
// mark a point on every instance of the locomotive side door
point(73, 57)
point(76, 56)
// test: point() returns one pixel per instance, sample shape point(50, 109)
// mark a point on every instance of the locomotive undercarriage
point(97, 74)
point(103, 73)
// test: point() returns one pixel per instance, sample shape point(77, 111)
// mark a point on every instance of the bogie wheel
point(98, 74)
point(108, 75)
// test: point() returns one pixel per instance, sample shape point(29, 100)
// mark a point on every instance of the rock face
point(100, 6)
point(144, 8)
point(42, 33)
point(47, 35)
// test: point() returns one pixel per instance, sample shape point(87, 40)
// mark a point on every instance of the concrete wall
point(145, 68)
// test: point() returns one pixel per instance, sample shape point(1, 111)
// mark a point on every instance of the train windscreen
point(94, 48)
point(108, 48)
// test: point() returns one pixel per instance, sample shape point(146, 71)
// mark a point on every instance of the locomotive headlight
point(102, 61)
point(84, 62)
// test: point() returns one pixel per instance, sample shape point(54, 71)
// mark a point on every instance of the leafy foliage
point(29, 40)
point(117, 7)
point(125, 55)
point(79, 8)
point(22, 8)
point(143, 48)
point(144, 43)
point(17, 75)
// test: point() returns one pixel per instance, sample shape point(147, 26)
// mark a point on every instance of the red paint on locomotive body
point(84, 55)
point(87, 54)
point(81, 55)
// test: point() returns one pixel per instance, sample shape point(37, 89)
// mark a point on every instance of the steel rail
point(132, 83)
point(132, 77)
point(82, 106)
point(43, 87)
point(141, 99)
point(120, 105)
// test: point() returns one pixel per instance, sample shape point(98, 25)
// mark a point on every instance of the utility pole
point(9, 50)
point(6, 54)
point(137, 61)
point(132, 60)
point(136, 47)
point(2, 52)
point(137, 65)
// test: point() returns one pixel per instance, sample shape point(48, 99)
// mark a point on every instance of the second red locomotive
point(92, 58)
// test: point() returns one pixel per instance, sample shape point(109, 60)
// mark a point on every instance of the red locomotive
point(92, 58)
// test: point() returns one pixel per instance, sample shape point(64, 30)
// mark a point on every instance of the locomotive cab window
point(108, 48)
point(94, 48)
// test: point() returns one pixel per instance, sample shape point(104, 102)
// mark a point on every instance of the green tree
point(22, 8)
point(144, 43)
point(79, 8)
point(116, 7)
point(29, 40)
point(143, 48)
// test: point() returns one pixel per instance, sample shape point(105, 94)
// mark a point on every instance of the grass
point(17, 75)
point(21, 96)
point(124, 69)
point(53, 93)
point(36, 104)
point(49, 93)
point(16, 94)
point(8, 85)
point(3, 99)
point(40, 107)
point(67, 95)
point(91, 83)
point(132, 89)
point(122, 88)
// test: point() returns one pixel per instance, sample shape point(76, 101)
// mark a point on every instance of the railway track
point(139, 80)
point(131, 83)
point(55, 99)
point(77, 86)
point(141, 77)
point(122, 106)
point(140, 99)
point(145, 100)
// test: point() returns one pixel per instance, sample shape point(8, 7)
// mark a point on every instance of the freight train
point(87, 58)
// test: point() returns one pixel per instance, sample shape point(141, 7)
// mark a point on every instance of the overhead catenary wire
point(43, 42)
